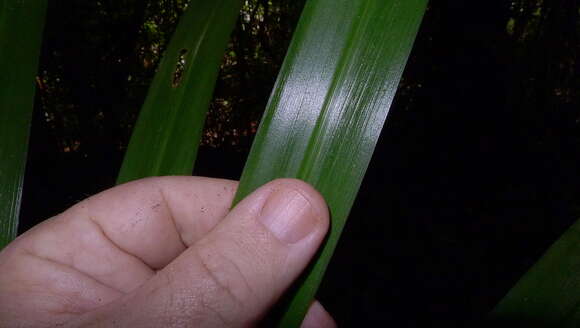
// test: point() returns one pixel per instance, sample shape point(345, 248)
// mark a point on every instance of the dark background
point(474, 176)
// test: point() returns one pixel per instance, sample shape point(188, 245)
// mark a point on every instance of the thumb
point(234, 274)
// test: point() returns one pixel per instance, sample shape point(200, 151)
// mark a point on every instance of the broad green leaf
point(168, 131)
point(328, 107)
point(548, 295)
point(21, 25)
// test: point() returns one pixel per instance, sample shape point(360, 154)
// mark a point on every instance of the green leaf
point(328, 107)
point(21, 25)
point(168, 131)
point(548, 295)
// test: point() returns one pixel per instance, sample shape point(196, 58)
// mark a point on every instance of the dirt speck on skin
point(202, 210)
point(137, 218)
point(136, 222)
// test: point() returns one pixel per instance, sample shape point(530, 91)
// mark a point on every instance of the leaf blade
point(328, 107)
point(21, 26)
point(548, 295)
point(168, 131)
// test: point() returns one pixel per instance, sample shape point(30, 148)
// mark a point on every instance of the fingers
point(317, 317)
point(233, 275)
point(121, 236)
point(174, 212)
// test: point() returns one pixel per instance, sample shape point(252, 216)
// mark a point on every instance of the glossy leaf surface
point(328, 107)
point(21, 25)
point(168, 131)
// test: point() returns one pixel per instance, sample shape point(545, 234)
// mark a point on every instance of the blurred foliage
point(99, 59)
point(250, 67)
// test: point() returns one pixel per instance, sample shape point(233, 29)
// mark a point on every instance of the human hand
point(165, 252)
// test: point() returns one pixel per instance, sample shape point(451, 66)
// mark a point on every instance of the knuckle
point(182, 306)
point(220, 295)
point(226, 276)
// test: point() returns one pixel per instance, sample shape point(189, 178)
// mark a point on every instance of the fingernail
point(288, 215)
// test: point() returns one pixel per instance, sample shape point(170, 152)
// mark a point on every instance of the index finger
point(140, 226)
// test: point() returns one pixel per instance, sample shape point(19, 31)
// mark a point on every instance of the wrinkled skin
point(165, 252)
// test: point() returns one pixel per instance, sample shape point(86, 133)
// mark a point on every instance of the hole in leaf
point(179, 68)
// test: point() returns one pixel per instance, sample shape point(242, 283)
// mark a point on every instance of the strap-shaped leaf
point(328, 107)
point(548, 295)
point(168, 131)
point(21, 25)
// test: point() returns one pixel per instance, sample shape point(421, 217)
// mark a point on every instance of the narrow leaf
point(548, 295)
point(168, 131)
point(21, 25)
point(328, 107)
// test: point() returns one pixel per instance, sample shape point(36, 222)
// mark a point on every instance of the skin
point(165, 252)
